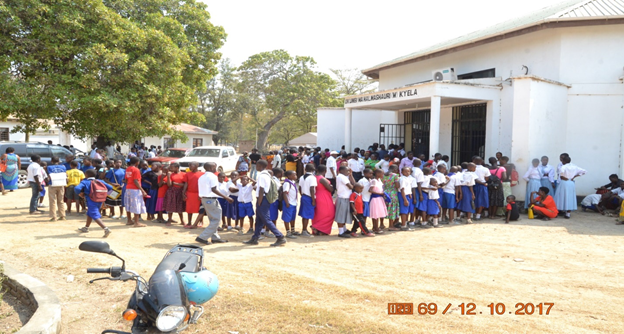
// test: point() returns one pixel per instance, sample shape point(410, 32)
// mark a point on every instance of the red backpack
point(99, 192)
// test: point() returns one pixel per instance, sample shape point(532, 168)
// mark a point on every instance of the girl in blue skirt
point(533, 179)
point(465, 200)
point(565, 196)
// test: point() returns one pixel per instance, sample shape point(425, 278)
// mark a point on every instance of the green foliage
point(280, 86)
point(105, 68)
point(351, 81)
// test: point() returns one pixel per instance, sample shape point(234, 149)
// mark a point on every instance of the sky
point(354, 34)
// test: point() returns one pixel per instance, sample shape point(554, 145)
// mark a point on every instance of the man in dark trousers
point(263, 217)
point(254, 157)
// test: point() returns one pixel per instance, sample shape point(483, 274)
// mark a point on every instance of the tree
point(284, 86)
point(216, 103)
point(351, 81)
point(118, 69)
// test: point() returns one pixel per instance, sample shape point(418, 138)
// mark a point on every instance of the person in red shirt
point(544, 206)
point(174, 198)
point(133, 201)
point(162, 190)
point(357, 212)
point(191, 192)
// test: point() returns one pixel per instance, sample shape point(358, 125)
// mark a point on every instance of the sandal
point(394, 229)
point(140, 225)
point(378, 231)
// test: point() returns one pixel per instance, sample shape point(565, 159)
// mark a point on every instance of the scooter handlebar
point(98, 270)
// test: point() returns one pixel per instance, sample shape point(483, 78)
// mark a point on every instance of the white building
point(544, 84)
point(307, 140)
point(196, 137)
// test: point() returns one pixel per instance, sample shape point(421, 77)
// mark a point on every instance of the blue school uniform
point(93, 208)
point(448, 201)
point(232, 211)
point(274, 211)
point(245, 210)
point(367, 209)
point(432, 208)
point(306, 211)
point(422, 205)
point(404, 210)
point(532, 185)
point(225, 206)
point(289, 214)
point(466, 204)
point(565, 196)
point(482, 198)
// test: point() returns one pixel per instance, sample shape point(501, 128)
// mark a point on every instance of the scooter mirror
point(96, 247)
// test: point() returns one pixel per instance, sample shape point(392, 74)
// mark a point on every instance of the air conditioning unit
point(445, 74)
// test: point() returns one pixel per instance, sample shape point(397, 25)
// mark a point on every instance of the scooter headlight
point(170, 318)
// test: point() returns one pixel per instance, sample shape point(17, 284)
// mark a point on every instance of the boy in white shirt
point(448, 195)
point(423, 201)
point(245, 196)
point(289, 203)
point(307, 188)
point(344, 184)
point(366, 195)
point(224, 188)
point(406, 205)
point(417, 180)
point(466, 201)
point(482, 197)
point(433, 205)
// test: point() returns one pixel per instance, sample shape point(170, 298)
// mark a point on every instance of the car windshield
point(173, 154)
point(205, 152)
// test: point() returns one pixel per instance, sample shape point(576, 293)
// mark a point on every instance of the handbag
point(115, 193)
point(58, 179)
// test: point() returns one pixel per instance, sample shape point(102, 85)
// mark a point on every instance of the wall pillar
point(347, 132)
point(434, 126)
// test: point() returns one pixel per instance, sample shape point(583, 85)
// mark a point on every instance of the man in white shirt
point(208, 191)
point(356, 165)
point(34, 179)
point(332, 168)
point(263, 216)
point(110, 150)
point(277, 160)
point(344, 184)
point(307, 188)
point(482, 197)
point(93, 151)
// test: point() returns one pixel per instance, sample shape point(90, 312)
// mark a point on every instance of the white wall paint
point(364, 128)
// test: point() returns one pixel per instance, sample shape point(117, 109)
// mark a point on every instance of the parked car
point(169, 155)
point(25, 150)
point(224, 156)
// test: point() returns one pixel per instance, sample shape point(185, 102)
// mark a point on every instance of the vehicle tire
point(220, 170)
point(22, 179)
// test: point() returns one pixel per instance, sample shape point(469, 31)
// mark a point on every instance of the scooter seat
point(174, 260)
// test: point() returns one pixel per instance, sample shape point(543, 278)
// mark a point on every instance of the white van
point(224, 156)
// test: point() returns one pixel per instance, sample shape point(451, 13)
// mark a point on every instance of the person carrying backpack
point(495, 187)
point(95, 193)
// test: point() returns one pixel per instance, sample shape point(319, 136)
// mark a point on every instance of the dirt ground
point(13, 315)
point(333, 285)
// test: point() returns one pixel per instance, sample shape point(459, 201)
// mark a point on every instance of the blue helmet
point(201, 286)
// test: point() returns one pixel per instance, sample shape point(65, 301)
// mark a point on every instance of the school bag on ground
point(273, 192)
point(99, 192)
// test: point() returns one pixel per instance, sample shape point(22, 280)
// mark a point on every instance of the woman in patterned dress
point(391, 187)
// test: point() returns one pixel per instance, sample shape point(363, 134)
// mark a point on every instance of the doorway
point(468, 132)
point(418, 121)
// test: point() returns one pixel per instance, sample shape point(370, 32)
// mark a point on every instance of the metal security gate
point(468, 132)
point(391, 134)
point(419, 121)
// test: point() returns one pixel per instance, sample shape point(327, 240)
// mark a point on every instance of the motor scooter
point(162, 304)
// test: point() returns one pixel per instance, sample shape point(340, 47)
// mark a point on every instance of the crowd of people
point(394, 189)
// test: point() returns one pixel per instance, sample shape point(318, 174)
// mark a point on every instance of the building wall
point(207, 141)
point(539, 51)
point(364, 127)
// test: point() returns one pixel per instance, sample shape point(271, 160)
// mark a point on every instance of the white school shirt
point(547, 170)
point(291, 190)
point(442, 163)
point(366, 195)
point(264, 182)
point(532, 173)
point(569, 171)
point(356, 165)
point(425, 182)
point(469, 178)
point(619, 192)
point(433, 194)
point(341, 186)
point(454, 181)
point(245, 193)
point(305, 159)
point(305, 184)
point(440, 177)
point(559, 169)
point(405, 183)
point(383, 164)
point(590, 200)
point(34, 169)
point(331, 163)
point(231, 184)
point(277, 161)
point(413, 181)
point(224, 189)
point(418, 176)
point(482, 173)
point(205, 183)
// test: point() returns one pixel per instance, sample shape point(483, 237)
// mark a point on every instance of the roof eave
point(373, 72)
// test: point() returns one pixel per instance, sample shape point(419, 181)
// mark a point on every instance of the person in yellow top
point(291, 163)
point(74, 176)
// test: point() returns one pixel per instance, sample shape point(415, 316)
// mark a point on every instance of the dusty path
point(332, 285)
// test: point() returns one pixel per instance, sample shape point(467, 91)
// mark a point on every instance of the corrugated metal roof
point(566, 9)
point(189, 128)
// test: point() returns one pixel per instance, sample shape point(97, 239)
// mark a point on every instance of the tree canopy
point(119, 69)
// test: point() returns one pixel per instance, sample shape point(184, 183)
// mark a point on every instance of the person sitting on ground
point(592, 202)
point(513, 212)
point(544, 205)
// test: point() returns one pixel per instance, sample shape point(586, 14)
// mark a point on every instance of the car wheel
point(220, 170)
point(22, 179)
